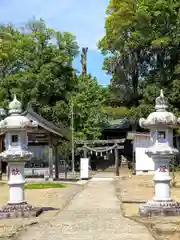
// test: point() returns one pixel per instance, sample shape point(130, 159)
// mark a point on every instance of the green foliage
point(88, 103)
point(6, 43)
point(116, 112)
point(40, 70)
point(37, 66)
point(142, 46)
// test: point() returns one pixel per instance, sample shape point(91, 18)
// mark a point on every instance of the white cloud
point(85, 19)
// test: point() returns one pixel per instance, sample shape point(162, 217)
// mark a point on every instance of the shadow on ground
point(46, 209)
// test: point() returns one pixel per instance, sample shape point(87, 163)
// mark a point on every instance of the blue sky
point(85, 19)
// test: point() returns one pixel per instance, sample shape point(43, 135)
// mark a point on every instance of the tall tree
point(88, 102)
point(142, 47)
point(40, 69)
point(123, 59)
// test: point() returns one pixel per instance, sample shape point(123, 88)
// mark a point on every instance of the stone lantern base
point(19, 210)
point(160, 208)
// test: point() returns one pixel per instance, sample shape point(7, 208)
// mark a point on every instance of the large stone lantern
point(161, 124)
point(16, 154)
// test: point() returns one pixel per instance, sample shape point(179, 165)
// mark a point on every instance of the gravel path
point(93, 214)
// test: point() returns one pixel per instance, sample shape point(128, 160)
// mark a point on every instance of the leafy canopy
point(142, 48)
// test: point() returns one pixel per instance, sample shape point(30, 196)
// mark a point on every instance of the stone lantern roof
point(161, 117)
point(15, 120)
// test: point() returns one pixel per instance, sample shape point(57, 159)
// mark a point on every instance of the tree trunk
point(84, 61)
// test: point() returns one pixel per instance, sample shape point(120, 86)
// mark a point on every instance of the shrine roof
point(122, 123)
point(61, 131)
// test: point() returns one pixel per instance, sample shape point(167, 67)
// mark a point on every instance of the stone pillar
point(162, 179)
point(16, 182)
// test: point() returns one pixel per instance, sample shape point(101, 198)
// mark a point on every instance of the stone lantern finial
point(15, 107)
point(161, 102)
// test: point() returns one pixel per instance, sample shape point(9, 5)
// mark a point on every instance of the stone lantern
point(16, 154)
point(161, 124)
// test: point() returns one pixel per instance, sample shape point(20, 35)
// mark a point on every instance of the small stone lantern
point(16, 154)
point(161, 124)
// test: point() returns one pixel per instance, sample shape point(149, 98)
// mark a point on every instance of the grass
point(44, 185)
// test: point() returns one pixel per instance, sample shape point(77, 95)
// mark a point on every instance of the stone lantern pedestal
point(16, 154)
point(162, 151)
point(16, 182)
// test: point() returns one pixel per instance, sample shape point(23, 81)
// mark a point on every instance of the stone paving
point(93, 214)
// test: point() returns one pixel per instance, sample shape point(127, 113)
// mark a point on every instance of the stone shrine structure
point(15, 127)
point(161, 124)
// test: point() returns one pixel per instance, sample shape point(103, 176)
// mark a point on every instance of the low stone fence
point(28, 172)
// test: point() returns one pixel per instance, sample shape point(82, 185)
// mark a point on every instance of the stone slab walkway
point(94, 214)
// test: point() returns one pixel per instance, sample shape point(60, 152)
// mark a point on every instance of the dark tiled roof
point(49, 126)
point(119, 124)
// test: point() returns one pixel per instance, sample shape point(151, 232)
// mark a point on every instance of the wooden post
point(50, 158)
point(66, 170)
point(117, 160)
point(56, 162)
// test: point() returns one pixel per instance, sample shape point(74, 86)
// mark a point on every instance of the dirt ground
point(141, 188)
point(47, 198)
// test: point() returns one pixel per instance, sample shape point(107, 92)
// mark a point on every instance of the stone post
point(16, 182)
point(162, 179)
